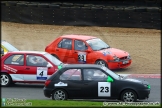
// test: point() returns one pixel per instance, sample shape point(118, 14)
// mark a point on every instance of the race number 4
point(42, 73)
point(82, 57)
point(104, 89)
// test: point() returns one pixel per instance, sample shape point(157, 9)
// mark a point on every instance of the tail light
point(47, 83)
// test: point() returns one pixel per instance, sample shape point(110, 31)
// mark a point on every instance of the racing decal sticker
point(42, 73)
point(104, 89)
point(106, 53)
point(82, 57)
point(10, 69)
point(61, 84)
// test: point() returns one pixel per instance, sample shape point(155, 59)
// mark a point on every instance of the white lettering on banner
point(42, 73)
point(10, 68)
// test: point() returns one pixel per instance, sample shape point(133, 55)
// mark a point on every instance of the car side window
point(35, 60)
point(79, 45)
point(71, 74)
point(16, 59)
point(94, 74)
point(65, 43)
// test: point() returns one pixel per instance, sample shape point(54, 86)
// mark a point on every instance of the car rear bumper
point(118, 65)
point(143, 94)
point(47, 92)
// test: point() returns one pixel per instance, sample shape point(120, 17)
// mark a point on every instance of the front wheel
point(59, 94)
point(129, 96)
point(5, 79)
point(102, 63)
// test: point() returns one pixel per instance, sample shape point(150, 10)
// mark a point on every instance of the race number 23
point(104, 89)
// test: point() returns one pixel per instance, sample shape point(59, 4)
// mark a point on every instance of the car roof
point(82, 66)
point(80, 37)
point(29, 52)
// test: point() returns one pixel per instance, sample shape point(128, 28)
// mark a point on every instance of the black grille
point(123, 58)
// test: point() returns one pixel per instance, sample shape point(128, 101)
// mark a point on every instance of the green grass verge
point(72, 103)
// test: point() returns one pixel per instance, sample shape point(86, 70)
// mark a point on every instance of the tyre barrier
point(101, 15)
point(83, 6)
point(43, 5)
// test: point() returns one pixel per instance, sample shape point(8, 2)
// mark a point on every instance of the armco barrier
point(79, 14)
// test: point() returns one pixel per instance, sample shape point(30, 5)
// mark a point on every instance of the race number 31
point(82, 57)
point(104, 89)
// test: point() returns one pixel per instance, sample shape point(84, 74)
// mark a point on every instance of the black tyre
point(128, 96)
point(5, 80)
point(102, 63)
point(59, 94)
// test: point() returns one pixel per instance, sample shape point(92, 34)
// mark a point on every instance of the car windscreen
point(53, 59)
point(97, 44)
point(111, 73)
point(8, 46)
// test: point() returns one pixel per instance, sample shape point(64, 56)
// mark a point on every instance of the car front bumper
point(47, 92)
point(118, 64)
point(143, 94)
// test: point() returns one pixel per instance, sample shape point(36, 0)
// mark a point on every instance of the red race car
point(76, 49)
point(27, 67)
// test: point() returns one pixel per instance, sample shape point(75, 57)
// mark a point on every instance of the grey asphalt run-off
point(35, 91)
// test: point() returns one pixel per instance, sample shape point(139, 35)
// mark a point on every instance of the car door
point(64, 51)
point(36, 69)
point(82, 53)
point(73, 79)
point(96, 85)
point(14, 64)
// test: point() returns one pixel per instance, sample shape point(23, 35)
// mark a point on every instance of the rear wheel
point(5, 79)
point(102, 63)
point(59, 94)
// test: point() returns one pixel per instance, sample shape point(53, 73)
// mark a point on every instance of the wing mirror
point(88, 50)
point(49, 65)
point(109, 79)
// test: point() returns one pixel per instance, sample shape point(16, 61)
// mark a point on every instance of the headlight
point(116, 58)
point(147, 86)
point(128, 57)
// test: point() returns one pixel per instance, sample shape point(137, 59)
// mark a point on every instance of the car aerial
point(91, 81)
point(7, 47)
point(80, 49)
point(27, 67)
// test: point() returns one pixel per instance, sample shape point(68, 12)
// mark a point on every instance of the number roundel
point(104, 89)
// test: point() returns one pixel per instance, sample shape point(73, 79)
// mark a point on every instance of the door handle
point(75, 52)
point(57, 49)
point(27, 68)
point(85, 83)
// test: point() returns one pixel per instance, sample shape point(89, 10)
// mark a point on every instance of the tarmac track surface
point(35, 91)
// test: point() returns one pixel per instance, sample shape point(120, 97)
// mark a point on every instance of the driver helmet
point(33, 59)
point(89, 73)
point(80, 44)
